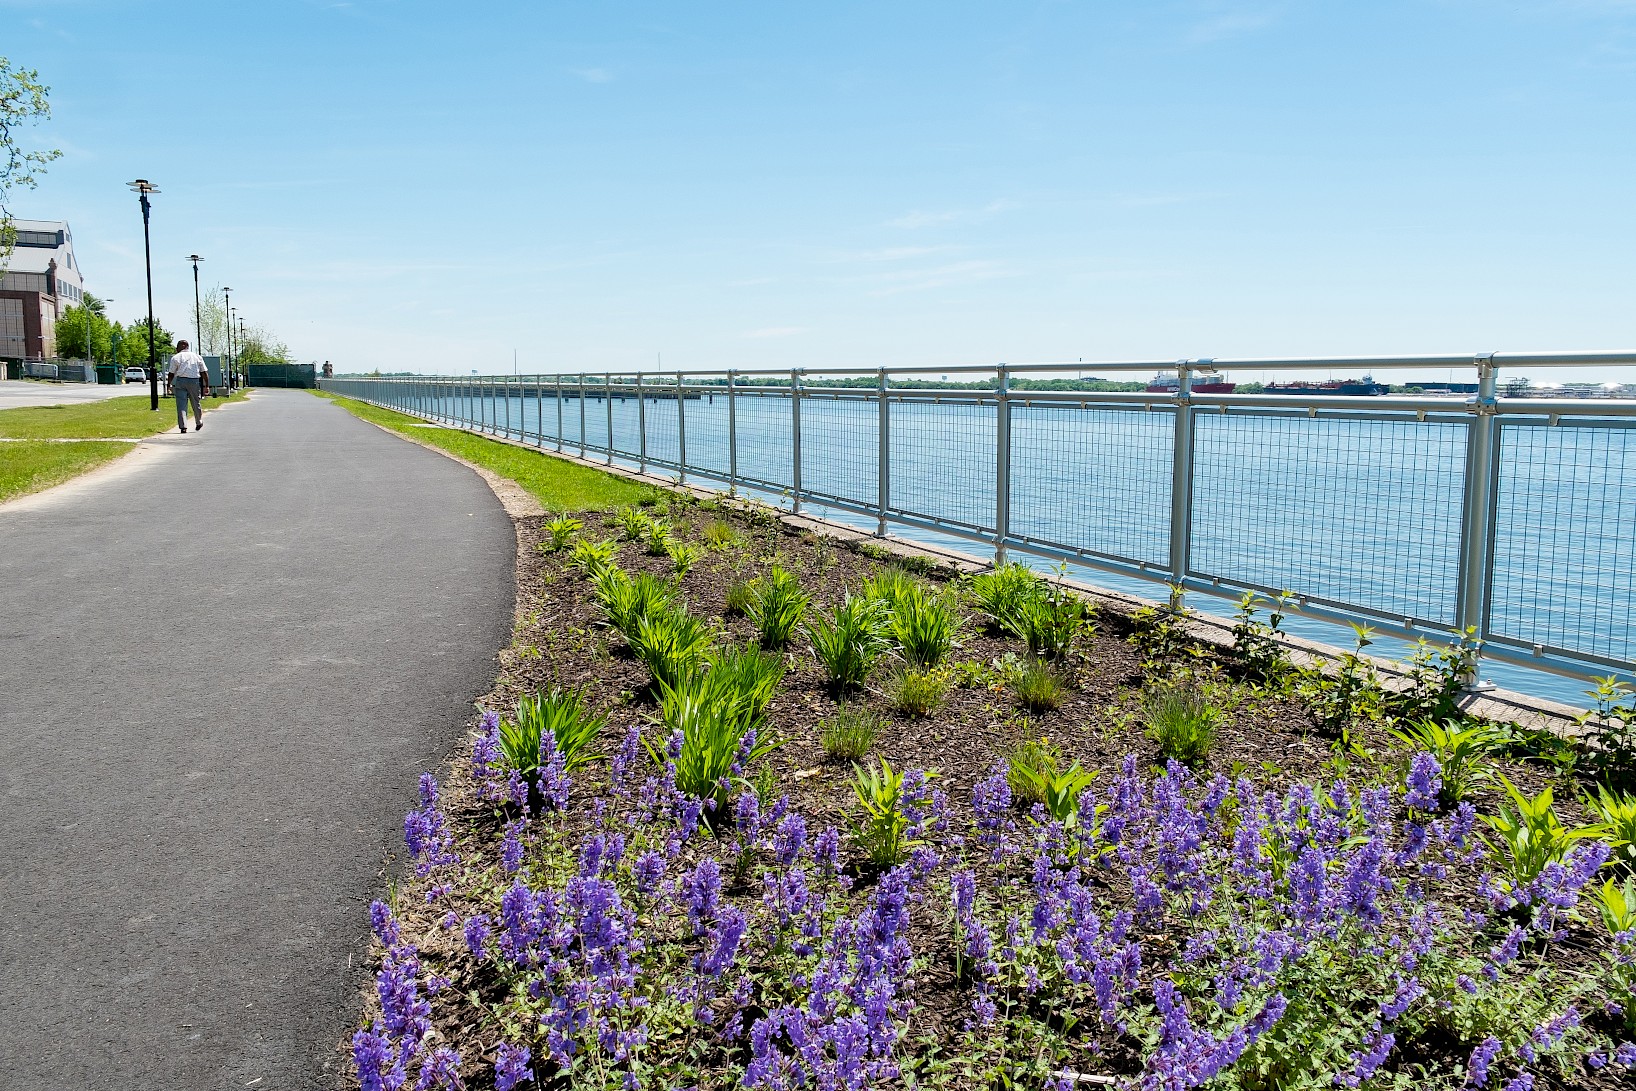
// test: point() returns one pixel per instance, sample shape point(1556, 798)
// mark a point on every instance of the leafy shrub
point(1051, 620)
point(1039, 687)
point(625, 599)
point(591, 557)
point(1618, 814)
point(719, 534)
point(745, 678)
point(1353, 693)
point(559, 533)
point(851, 640)
point(915, 692)
point(1612, 724)
point(656, 499)
point(850, 733)
point(776, 607)
point(1160, 633)
point(714, 735)
point(999, 594)
point(633, 524)
point(1437, 679)
point(1531, 837)
point(1462, 753)
point(887, 832)
point(658, 538)
point(1059, 791)
point(1028, 766)
point(926, 627)
point(1255, 643)
point(1616, 905)
point(671, 643)
point(560, 715)
point(741, 596)
point(1181, 721)
point(893, 587)
point(683, 555)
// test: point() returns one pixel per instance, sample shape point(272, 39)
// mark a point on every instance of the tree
point(22, 102)
point(133, 343)
point(72, 326)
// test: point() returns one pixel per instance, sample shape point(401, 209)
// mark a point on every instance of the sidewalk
point(223, 670)
point(17, 393)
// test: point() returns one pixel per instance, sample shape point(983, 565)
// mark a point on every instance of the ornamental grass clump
point(719, 534)
point(625, 599)
point(893, 587)
point(1463, 752)
point(776, 608)
point(1181, 721)
point(1028, 765)
point(714, 725)
point(671, 643)
point(633, 524)
point(926, 628)
point(1038, 686)
point(850, 733)
point(851, 640)
point(1050, 620)
point(562, 718)
point(917, 693)
point(895, 809)
point(592, 557)
point(999, 594)
point(741, 596)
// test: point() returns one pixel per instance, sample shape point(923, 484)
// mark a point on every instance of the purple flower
point(1481, 1058)
point(477, 931)
point(1524, 1082)
point(1625, 1054)
point(701, 890)
point(511, 849)
point(441, 1069)
point(1366, 1061)
point(1424, 786)
point(790, 839)
point(511, 1067)
point(648, 869)
point(382, 924)
point(377, 1063)
point(486, 754)
point(827, 851)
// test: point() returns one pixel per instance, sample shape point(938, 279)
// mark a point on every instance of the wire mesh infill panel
point(942, 461)
point(1564, 558)
point(1094, 478)
point(840, 448)
point(1363, 512)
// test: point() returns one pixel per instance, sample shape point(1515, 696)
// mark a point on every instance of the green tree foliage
point(133, 343)
point(75, 323)
point(22, 102)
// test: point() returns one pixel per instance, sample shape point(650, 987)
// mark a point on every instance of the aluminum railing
point(1418, 515)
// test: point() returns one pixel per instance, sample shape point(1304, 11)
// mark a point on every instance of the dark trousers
point(186, 390)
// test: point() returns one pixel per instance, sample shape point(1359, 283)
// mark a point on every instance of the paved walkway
point(221, 669)
point(17, 393)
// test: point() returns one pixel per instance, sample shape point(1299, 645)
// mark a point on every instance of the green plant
point(671, 643)
point(563, 716)
point(741, 595)
point(999, 594)
point(850, 641)
point(893, 587)
point(926, 626)
point(1181, 721)
point(884, 834)
point(625, 599)
point(591, 557)
point(777, 607)
point(712, 737)
point(1059, 792)
point(1039, 687)
point(683, 555)
point(632, 522)
point(1255, 643)
point(658, 538)
point(1160, 632)
point(1618, 814)
point(1028, 766)
point(1612, 724)
point(1050, 619)
point(719, 534)
point(1352, 693)
point(743, 677)
point(1532, 836)
point(1462, 753)
point(559, 533)
point(1616, 905)
point(915, 692)
point(850, 732)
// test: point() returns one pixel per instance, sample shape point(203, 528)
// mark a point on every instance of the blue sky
point(434, 186)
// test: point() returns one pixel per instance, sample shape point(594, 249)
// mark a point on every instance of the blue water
point(1363, 512)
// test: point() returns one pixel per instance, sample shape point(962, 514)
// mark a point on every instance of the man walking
point(187, 374)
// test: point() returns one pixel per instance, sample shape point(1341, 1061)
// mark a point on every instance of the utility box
point(218, 381)
point(108, 375)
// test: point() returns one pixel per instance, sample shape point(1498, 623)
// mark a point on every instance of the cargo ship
point(1352, 388)
point(1200, 384)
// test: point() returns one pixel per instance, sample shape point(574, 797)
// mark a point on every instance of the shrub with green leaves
point(559, 532)
point(671, 643)
point(926, 627)
point(633, 524)
point(1051, 620)
point(1463, 753)
point(1616, 905)
point(1531, 837)
point(850, 733)
point(625, 599)
point(657, 538)
point(887, 831)
point(917, 693)
point(1000, 593)
point(893, 586)
point(1028, 765)
point(850, 640)
point(1181, 721)
point(1039, 687)
point(1618, 814)
point(776, 608)
point(561, 715)
point(1059, 791)
point(683, 555)
point(712, 735)
point(591, 557)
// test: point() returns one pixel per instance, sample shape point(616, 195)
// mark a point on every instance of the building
point(40, 281)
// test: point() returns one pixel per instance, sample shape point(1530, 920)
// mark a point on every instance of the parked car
point(136, 374)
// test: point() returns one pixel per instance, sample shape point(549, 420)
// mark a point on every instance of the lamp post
point(142, 188)
point(227, 312)
point(90, 329)
point(198, 314)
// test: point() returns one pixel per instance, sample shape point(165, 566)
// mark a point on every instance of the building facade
point(41, 280)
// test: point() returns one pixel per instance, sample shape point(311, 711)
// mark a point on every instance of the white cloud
point(931, 218)
point(774, 331)
point(939, 276)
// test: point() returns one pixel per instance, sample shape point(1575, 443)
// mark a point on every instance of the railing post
point(582, 414)
point(559, 412)
point(732, 435)
point(795, 441)
point(539, 412)
point(1476, 523)
point(883, 460)
point(607, 396)
point(641, 428)
point(1181, 477)
point(1002, 464)
point(681, 433)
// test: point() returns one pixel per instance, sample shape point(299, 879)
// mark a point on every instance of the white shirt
point(186, 365)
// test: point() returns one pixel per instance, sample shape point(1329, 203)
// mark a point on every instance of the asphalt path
point(221, 672)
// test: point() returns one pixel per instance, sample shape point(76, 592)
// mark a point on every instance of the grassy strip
point(559, 485)
point(116, 418)
point(31, 466)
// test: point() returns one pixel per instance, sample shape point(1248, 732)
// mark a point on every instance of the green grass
point(30, 466)
point(559, 485)
point(115, 418)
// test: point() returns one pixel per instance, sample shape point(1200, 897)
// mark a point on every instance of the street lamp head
point(142, 185)
point(194, 258)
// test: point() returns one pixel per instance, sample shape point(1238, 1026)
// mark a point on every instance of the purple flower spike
point(1425, 782)
point(511, 1067)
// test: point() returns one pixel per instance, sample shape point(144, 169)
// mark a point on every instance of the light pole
point(227, 312)
point(90, 346)
point(142, 188)
point(198, 314)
